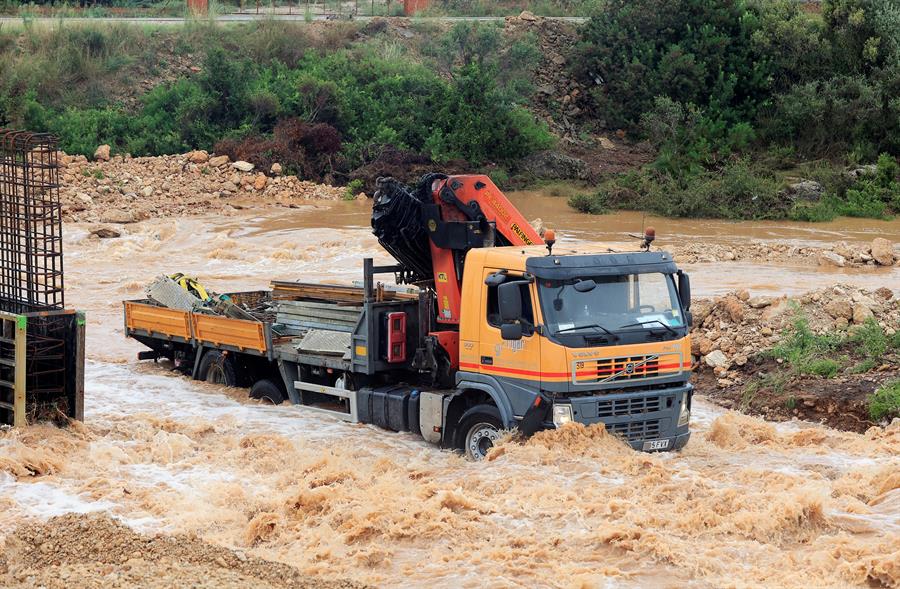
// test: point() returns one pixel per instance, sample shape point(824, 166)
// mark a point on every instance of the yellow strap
point(189, 284)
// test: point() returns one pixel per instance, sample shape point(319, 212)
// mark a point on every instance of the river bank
point(162, 454)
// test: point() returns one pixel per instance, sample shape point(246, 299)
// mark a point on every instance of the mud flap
point(536, 416)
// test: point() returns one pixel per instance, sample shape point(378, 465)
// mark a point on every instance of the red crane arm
point(469, 211)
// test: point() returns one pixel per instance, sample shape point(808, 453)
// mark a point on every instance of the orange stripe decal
point(540, 374)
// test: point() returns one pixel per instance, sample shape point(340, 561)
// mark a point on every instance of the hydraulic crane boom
point(430, 229)
point(468, 211)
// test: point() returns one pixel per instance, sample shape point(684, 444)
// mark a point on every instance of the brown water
point(746, 504)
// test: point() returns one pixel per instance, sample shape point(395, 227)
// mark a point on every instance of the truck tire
point(217, 368)
point(266, 390)
point(479, 428)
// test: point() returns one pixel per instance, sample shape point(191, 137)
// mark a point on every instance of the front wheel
point(481, 426)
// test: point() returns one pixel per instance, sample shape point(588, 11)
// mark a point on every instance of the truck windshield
point(615, 303)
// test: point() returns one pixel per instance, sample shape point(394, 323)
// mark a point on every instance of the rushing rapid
point(747, 503)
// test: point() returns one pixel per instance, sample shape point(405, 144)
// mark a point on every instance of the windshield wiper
point(591, 326)
point(642, 323)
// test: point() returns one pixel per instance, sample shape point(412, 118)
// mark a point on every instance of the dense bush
point(305, 149)
point(710, 84)
point(332, 98)
point(725, 56)
point(738, 189)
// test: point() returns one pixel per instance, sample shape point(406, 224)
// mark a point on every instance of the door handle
point(487, 360)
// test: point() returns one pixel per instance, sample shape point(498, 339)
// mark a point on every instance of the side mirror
point(511, 331)
point(509, 297)
point(684, 291)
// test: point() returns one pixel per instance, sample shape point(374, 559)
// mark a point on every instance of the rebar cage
point(41, 343)
point(31, 258)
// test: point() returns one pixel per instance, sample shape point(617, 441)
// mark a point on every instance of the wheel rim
point(481, 438)
point(215, 374)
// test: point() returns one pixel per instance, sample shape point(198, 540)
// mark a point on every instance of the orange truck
point(501, 332)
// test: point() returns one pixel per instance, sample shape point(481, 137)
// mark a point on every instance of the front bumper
point(645, 419)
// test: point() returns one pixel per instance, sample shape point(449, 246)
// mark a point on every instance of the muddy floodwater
point(746, 504)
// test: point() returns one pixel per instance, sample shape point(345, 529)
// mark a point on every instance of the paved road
point(239, 18)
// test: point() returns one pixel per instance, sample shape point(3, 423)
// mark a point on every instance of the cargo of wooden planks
point(331, 292)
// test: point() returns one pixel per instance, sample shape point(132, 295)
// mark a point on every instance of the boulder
point(828, 258)
point(839, 308)
point(553, 165)
point(857, 173)
point(806, 190)
point(198, 157)
point(106, 232)
point(883, 251)
point(885, 293)
point(538, 225)
point(147, 191)
point(117, 216)
point(733, 309)
point(219, 161)
point(759, 302)
point(861, 312)
point(229, 187)
point(716, 359)
point(260, 182)
point(243, 166)
point(527, 15)
point(102, 153)
point(82, 201)
point(276, 169)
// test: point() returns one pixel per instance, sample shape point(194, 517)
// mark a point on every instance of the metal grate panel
point(625, 407)
point(635, 430)
point(31, 258)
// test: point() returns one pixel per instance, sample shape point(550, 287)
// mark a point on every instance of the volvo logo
point(630, 367)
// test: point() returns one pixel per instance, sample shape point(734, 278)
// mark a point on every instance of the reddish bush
point(306, 149)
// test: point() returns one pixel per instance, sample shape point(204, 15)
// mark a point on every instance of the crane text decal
point(518, 231)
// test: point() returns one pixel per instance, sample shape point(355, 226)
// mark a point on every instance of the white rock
point(883, 251)
point(827, 258)
point(243, 166)
point(716, 359)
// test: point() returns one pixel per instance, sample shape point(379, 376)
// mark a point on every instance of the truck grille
point(623, 407)
point(626, 368)
point(635, 430)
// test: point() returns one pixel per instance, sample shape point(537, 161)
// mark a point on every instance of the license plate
point(656, 445)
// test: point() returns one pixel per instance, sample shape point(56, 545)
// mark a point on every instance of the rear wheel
point(480, 427)
point(217, 368)
point(267, 391)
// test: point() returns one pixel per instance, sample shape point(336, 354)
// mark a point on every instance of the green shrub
point(884, 403)
point(804, 350)
point(824, 367)
point(870, 339)
point(594, 204)
point(354, 187)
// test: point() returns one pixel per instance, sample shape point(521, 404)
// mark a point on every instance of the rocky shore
point(121, 190)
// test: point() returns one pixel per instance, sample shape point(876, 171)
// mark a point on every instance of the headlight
point(562, 414)
point(685, 415)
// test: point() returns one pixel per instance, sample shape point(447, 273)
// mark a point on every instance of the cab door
point(514, 363)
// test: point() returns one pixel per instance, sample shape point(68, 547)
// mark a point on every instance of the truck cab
point(593, 337)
